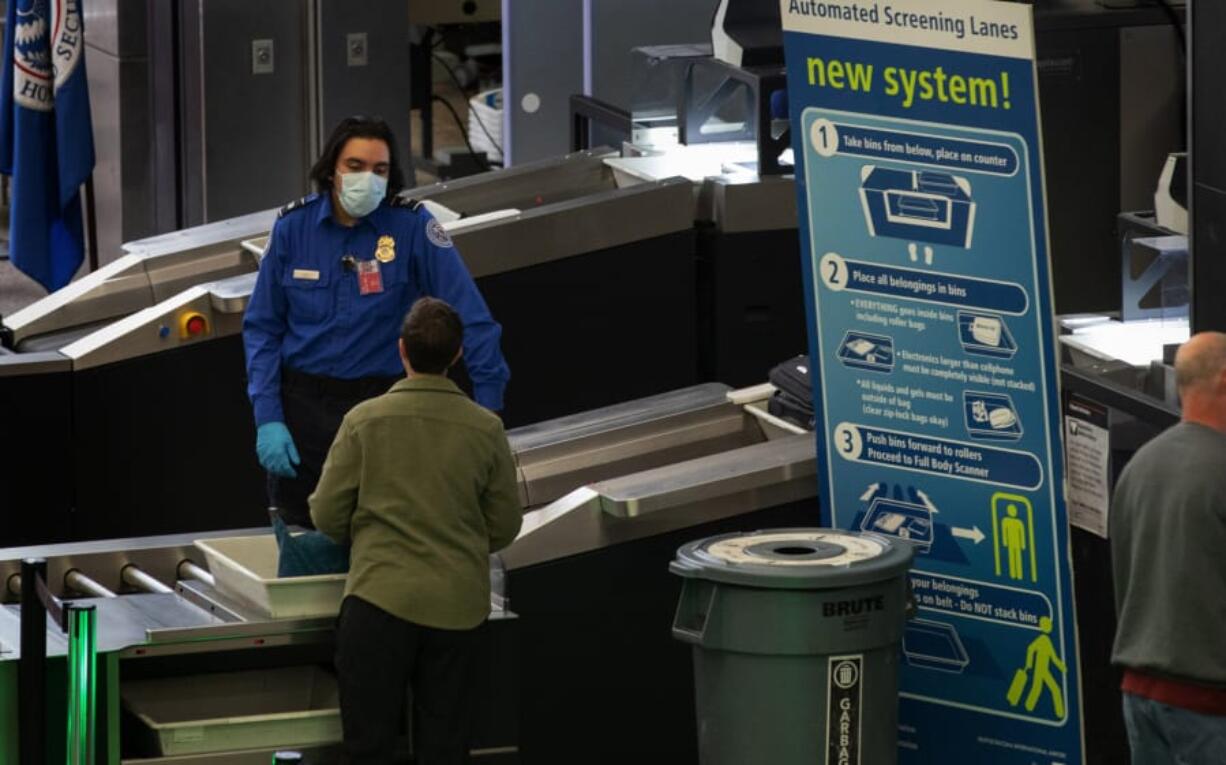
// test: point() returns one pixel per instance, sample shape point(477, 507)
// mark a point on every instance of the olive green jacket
point(421, 481)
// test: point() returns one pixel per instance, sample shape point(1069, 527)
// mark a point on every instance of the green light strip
point(82, 684)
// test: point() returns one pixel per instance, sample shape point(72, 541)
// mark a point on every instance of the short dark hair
point(432, 335)
point(357, 127)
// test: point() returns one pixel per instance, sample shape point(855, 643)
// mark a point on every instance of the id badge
point(370, 280)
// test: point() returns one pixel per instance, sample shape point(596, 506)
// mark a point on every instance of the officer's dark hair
point(432, 335)
point(357, 127)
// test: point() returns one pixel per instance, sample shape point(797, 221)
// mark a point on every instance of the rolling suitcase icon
point(917, 205)
point(1016, 687)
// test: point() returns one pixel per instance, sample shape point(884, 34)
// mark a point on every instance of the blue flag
point(46, 137)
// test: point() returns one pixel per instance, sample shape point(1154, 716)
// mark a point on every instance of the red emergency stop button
point(193, 324)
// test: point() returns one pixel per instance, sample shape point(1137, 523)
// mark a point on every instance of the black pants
point(314, 407)
point(377, 656)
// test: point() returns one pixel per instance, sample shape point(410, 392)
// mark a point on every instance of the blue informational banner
point(920, 181)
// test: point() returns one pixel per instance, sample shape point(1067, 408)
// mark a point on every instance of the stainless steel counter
point(559, 455)
point(668, 498)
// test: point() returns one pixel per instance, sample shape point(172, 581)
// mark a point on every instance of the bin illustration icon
point(985, 334)
point(860, 350)
point(905, 520)
point(918, 205)
point(934, 645)
point(795, 637)
point(990, 416)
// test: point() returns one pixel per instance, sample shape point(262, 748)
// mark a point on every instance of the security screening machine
point(729, 93)
point(150, 346)
point(714, 114)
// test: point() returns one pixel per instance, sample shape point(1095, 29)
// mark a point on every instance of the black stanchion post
point(32, 667)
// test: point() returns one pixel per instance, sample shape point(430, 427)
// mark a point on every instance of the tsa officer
point(342, 268)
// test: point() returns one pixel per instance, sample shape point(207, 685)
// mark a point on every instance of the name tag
point(306, 273)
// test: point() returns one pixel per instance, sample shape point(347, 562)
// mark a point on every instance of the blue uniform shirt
point(307, 312)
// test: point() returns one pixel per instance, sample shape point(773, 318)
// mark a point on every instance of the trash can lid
point(795, 558)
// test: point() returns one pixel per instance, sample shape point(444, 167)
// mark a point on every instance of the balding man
point(1168, 545)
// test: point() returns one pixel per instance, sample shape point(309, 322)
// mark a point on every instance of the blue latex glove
point(275, 448)
point(308, 553)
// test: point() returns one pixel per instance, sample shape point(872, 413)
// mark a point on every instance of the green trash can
point(796, 638)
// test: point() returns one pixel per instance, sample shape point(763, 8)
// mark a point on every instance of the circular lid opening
point(794, 550)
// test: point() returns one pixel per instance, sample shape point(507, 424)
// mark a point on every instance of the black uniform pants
point(314, 407)
point(377, 656)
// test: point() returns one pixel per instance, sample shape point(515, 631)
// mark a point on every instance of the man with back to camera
point(1168, 548)
point(421, 481)
point(341, 268)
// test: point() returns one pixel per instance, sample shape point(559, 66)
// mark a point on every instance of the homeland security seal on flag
point(47, 47)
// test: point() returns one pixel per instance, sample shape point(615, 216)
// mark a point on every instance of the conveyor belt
point(56, 339)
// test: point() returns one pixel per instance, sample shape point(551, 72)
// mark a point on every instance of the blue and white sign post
point(920, 180)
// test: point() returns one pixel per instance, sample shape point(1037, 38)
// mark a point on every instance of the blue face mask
point(361, 193)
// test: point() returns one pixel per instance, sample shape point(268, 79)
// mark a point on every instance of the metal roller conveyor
point(121, 566)
point(75, 581)
point(188, 570)
point(134, 577)
point(140, 614)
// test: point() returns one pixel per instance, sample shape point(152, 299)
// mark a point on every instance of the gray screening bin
point(796, 635)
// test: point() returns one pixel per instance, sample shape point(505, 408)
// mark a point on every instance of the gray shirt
point(1168, 549)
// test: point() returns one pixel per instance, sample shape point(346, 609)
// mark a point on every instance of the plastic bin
point(795, 636)
point(290, 707)
point(485, 123)
point(245, 568)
